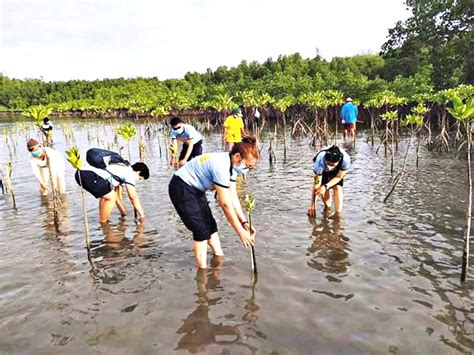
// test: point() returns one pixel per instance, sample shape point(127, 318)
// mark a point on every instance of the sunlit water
point(384, 278)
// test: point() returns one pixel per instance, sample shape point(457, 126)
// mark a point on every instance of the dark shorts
point(197, 150)
point(93, 183)
point(349, 125)
point(327, 176)
point(193, 208)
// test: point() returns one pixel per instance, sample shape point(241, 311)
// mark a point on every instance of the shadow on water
point(198, 329)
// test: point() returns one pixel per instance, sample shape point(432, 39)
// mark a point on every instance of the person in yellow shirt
point(233, 129)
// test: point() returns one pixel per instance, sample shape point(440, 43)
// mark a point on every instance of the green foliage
point(438, 35)
point(38, 113)
point(127, 131)
point(462, 111)
point(413, 119)
point(390, 116)
point(74, 157)
point(249, 204)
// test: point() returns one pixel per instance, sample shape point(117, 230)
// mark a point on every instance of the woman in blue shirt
point(213, 171)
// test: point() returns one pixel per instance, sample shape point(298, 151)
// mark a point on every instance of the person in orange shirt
point(233, 129)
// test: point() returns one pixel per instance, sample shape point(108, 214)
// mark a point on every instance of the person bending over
point(330, 167)
point(191, 139)
point(213, 171)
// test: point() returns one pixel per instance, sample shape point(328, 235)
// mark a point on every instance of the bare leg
point(200, 253)
point(61, 183)
point(352, 134)
point(326, 199)
point(106, 205)
point(338, 198)
point(215, 244)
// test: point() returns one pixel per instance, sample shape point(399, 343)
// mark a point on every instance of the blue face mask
point(37, 153)
point(241, 169)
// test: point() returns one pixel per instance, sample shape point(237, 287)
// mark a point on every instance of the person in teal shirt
point(348, 115)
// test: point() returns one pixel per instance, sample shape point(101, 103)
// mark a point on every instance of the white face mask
point(330, 168)
point(179, 130)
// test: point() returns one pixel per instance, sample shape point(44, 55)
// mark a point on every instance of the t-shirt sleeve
point(173, 134)
point(190, 132)
point(125, 173)
point(226, 123)
point(346, 161)
point(241, 123)
point(36, 172)
point(129, 177)
point(318, 166)
point(233, 176)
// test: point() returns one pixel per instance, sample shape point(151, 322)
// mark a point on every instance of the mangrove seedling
point(390, 118)
point(250, 204)
point(464, 112)
point(37, 114)
point(74, 158)
point(8, 180)
point(174, 154)
point(127, 131)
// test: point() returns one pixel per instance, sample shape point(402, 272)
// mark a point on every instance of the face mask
point(179, 130)
point(36, 154)
point(241, 169)
point(330, 168)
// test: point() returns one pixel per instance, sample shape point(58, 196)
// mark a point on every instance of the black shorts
point(197, 150)
point(93, 183)
point(328, 176)
point(193, 208)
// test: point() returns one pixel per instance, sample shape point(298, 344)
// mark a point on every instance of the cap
point(349, 99)
point(237, 111)
point(32, 143)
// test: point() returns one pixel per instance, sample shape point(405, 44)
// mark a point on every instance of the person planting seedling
point(330, 166)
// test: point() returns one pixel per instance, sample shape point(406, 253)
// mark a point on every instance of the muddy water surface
point(382, 278)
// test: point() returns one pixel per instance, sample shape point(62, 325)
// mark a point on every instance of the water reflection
point(197, 328)
point(49, 226)
point(330, 247)
point(110, 258)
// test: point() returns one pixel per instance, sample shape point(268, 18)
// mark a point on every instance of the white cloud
point(82, 39)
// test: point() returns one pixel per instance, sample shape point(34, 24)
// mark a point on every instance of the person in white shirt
point(39, 165)
point(107, 184)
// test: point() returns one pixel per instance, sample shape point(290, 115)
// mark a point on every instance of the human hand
point(311, 211)
point(321, 191)
point(343, 122)
point(247, 238)
point(247, 227)
point(181, 163)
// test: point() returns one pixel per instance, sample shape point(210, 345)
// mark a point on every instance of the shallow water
point(383, 278)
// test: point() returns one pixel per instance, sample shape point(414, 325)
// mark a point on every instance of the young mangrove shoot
point(74, 158)
point(250, 204)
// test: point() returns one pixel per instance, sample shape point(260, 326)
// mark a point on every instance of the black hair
point(142, 168)
point(333, 154)
point(45, 120)
point(175, 120)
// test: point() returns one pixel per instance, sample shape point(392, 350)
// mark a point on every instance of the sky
point(59, 40)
